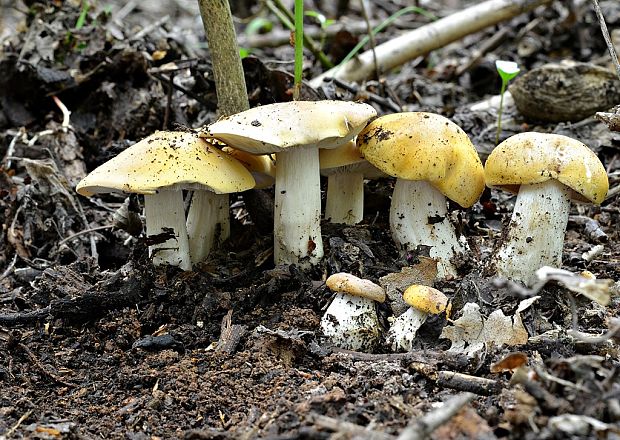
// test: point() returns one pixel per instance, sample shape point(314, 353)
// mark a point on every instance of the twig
point(82, 232)
point(466, 382)
point(181, 89)
point(385, 102)
point(353, 430)
point(11, 431)
point(10, 151)
point(150, 28)
point(371, 37)
point(432, 36)
point(41, 367)
point(610, 45)
point(590, 339)
point(421, 428)
point(9, 268)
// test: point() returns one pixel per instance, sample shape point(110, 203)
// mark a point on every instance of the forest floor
point(95, 342)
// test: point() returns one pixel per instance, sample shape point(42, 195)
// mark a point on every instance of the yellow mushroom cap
point(425, 146)
point(262, 167)
point(347, 158)
point(346, 283)
point(168, 159)
point(426, 299)
point(276, 127)
point(529, 158)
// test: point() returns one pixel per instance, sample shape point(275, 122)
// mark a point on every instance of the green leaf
point(79, 24)
point(258, 25)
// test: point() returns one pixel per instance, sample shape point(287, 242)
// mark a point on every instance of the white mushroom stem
point(351, 322)
point(403, 331)
point(419, 216)
point(345, 198)
point(535, 236)
point(163, 211)
point(202, 221)
point(208, 223)
point(297, 228)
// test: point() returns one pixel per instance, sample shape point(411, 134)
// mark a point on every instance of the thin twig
point(150, 28)
point(9, 268)
point(610, 45)
point(590, 339)
point(11, 431)
point(420, 428)
point(371, 38)
point(66, 114)
point(85, 231)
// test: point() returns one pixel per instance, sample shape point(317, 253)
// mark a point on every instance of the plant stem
point(232, 95)
point(299, 47)
point(499, 112)
point(287, 19)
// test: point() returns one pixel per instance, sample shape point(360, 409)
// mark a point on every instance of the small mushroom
point(346, 168)
point(294, 131)
point(160, 167)
point(424, 301)
point(547, 171)
point(351, 321)
point(432, 158)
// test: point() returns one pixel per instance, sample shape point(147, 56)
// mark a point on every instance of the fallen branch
point(432, 36)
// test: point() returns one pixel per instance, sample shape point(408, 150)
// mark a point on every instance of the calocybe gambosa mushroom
point(432, 158)
point(294, 131)
point(346, 169)
point(351, 321)
point(160, 167)
point(547, 171)
point(424, 301)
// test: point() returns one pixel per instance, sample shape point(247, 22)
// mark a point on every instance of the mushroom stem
point(351, 322)
point(345, 198)
point(223, 218)
point(202, 220)
point(166, 211)
point(419, 216)
point(403, 331)
point(535, 236)
point(297, 228)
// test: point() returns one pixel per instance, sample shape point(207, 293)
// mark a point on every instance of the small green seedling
point(507, 70)
point(299, 47)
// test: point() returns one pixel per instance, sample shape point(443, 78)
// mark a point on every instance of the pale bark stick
point(429, 37)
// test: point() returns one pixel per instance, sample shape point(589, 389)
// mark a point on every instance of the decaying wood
point(230, 335)
point(466, 382)
point(429, 37)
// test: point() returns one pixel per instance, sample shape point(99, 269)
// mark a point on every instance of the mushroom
point(294, 131)
point(351, 321)
point(160, 167)
point(432, 158)
point(206, 204)
point(424, 301)
point(547, 171)
point(346, 168)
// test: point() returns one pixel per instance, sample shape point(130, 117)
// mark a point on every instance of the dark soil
point(95, 342)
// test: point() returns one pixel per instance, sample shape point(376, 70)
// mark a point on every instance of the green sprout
point(507, 70)
point(258, 25)
point(323, 21)
point(299, 47)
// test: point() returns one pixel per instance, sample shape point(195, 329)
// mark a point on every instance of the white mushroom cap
point(276, 127)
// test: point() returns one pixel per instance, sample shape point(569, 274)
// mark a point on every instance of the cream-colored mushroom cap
point(346, 283)
point(262, 166)
point(276, 127)
point(347, 158)
point(529, 158)
point(425, 146)
point(426, 299)
point(168, 159)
